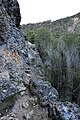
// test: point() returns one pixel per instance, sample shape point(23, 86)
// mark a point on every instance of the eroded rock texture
point(44, 91)
point(12, 42)
point(64, 111)
point(19, 59)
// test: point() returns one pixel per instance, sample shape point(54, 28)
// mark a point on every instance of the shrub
point(31, 35)
point(61, 58)
point(43, 42)
point(71, 39)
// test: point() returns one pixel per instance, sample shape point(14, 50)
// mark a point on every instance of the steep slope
point(20, 67)
point(58, 43)
point(59, 27)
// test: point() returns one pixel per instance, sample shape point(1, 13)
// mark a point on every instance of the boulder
point(44, 91)
point(64, 111)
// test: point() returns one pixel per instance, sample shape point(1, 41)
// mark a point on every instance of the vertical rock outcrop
point(18, 58)
point(11, 8)
point(12, 42)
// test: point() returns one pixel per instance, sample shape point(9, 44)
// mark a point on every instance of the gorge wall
point(11, 44)
point(20, 64)
point(58, 43)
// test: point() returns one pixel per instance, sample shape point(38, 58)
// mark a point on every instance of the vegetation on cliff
point(58, 43)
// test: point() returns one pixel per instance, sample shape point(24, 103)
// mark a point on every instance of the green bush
point(43, 40)
point(71, 39)
point(61, 58)
point(31, 35)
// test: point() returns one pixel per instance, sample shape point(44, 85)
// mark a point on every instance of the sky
point(33, 11)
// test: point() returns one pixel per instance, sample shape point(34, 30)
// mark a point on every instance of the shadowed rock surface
point(64, 111)
point(44, 91)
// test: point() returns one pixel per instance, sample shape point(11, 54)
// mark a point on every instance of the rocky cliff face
point(21, 69)
point(12, 42)
point(19, 60)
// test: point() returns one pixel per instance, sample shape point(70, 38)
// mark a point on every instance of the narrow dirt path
point(26, 108)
